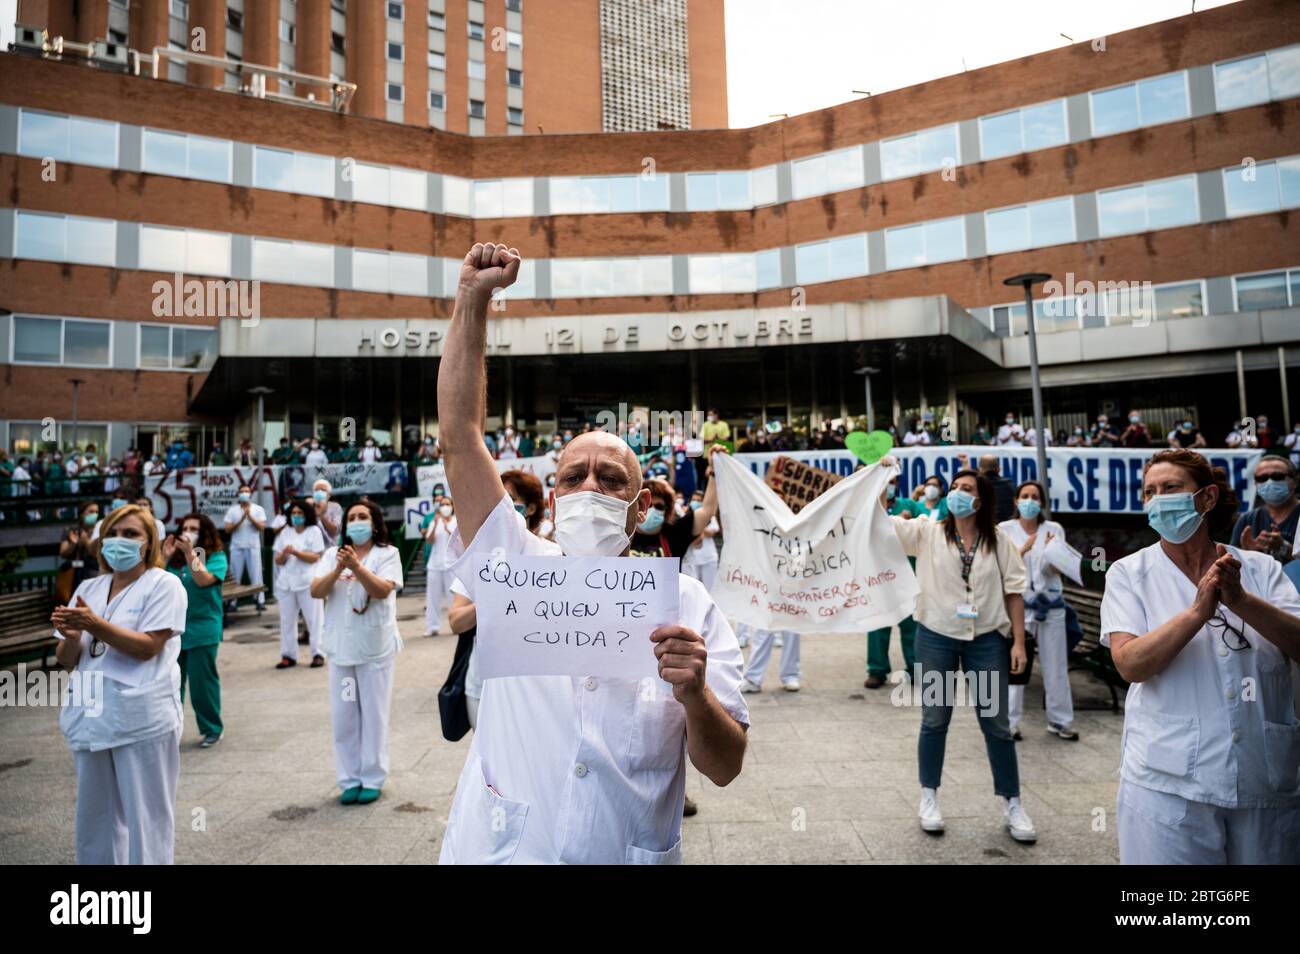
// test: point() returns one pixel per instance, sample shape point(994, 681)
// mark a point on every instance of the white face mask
point(190, 537)
point(588, 523)
point(931, 492)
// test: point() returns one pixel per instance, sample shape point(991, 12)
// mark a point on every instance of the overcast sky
point(793, 56)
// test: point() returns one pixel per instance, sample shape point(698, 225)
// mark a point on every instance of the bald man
point(564, 769)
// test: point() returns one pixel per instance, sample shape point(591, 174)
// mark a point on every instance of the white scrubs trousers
point(293, 602)
point(248, 558)
point(706, 573)
point(360, 702)
point(437, 594)
point(1053, 666)
point(1156, 828)
point(126, 802)
point(761, 651)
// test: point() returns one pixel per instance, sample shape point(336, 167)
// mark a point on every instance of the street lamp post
point(261, 393)
point(76, 384)
point(1027, 281)
point(866, 383)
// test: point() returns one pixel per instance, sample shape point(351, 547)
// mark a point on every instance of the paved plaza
point(829, 777)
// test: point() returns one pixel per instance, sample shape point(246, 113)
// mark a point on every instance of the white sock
point(933, 793)
point(1012, 802)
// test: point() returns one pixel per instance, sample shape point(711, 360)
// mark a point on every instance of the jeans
point(987, 660)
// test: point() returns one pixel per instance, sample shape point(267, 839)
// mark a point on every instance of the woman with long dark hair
point(298, 547)
point(970, 620)
point(196, 557)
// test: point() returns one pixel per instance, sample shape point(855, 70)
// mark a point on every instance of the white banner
point(572, 616)
point(431, 479)
point(1083, 479)
point(413, 514)
point(836, 566)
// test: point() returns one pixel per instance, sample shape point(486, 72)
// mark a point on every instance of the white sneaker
point(931, 820)
point(1063, 731)
point(779, 640)
point(750, 687)
point(791, 685)
point(1018, 823)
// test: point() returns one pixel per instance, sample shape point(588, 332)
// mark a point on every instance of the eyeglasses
point(97, 648)
point(1233, 637)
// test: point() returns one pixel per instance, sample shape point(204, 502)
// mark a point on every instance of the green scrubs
point(878, 639)
point(199, 642)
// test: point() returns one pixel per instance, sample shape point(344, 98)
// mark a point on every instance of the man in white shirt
point(370, 454)
point(316, 456)
point(571, 770)
point(1011, 434)
point(245, 522)
point(916, 436)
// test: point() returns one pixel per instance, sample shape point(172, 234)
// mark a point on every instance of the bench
point(232, 592)
point(1089, 654)
point(25, 623)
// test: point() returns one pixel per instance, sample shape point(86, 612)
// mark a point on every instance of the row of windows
point(88, 342)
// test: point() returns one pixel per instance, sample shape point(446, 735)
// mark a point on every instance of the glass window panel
point(809, 176)
point(843, 169)
point(1006, 229)
point(314, 264)
point(1250, 190)
point(738, 272)
point(733, 190)
point(273, 261)
point(313, 175)
point(487, 199)
point(524, 286)
point(768, 265)
point(408, 274)
point(407, 188)
point(193, 348)
point(93, 142)
point(1051, 222)
point(935, 147)
point(155, 346)
point(596, 278)
point(566, 277)
point(92, 241)
point(455, 195)
point(1261, 291)
point(85, 342)
point(848, 256)
point(945, 240)
point(705, 273)
point(653, 193)
point(165, 153)
point(517, 197)
point(622, 194)
point(1179, 301)
point(1284, 72)
point(273, 169)
point(701, 191)
point(1000, 135)
point(1044, 125)
point(369, 270)
point(1114, 110)
point(898, 157)
point(1171, 202)
point(1122, 210)
point(657, 275)
point(37, 339)
point(209, 159)
point(42, 135)
point(811, 263)
point(162, 249)
point(1294, 278)
point(1288, 174)
point(764, 185)
point(1241, 83)
point(370, 183)
point(207, 253)
point(905, 247)
point(42, 236)
point(1163, 99)
point(566, 195)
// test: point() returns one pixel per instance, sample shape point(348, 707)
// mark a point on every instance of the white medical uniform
point(362, 649)
point(316, 457)
point(293, 589)
point(1210, 765)
point(1053, 652)
point(127, 754)
point(1011, 435)
point(438, 579)
point(760, 652)
point(246, 546)
point(580, 770)
point(701, 561)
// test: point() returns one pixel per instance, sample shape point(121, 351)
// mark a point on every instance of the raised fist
point(488, 267)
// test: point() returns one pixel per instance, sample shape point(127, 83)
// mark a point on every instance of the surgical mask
point(557, 444)
point(589, 523)
point(190, 537)
point(319, 496)
point(1274, 491)
point(890, 492)
point(1133, 419)
point(359, 531)
point(1174, 516)
point(652, 522)
point(697, 504)
point(297, 519)
point(89, 519)
point(960, 503)
point(1011, 420)
point(121, 554)
point(117, 504)
point(315, 446)
point(931, 492)
point(445, 510)
point(245, 498)
point(1029, 509)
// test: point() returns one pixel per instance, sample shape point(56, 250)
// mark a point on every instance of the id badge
point(967, 611)
point(77, 564)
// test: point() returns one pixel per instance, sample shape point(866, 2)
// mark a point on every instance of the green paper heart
point(869, 447)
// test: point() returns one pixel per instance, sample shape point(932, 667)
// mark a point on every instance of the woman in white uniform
point(359, 582)
point(1031, 532)
point(437, 591)
point(122, 713)
point(298, 547)
point(701, 558)
point(1209, 638)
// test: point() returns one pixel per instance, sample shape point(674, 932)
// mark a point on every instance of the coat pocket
point(643, 856)
point(1282, 755)
point(488, 828)
point(1162, 743)
point(658, 729)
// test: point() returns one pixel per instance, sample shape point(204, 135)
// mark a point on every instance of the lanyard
point(967, 558)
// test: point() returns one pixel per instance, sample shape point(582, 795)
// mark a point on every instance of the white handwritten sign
point(572, 616)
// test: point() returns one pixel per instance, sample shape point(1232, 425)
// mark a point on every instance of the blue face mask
point(319, 496)
point(960, 503)
point(117, 504)
point(697, 504)
point(121, 554)
point(360, 532)
point(890, 491)
point(652, 522)
point(1029, 509)
point(298, 520)
point(1174, 516)
point(521, 509)
point(1274, 491)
